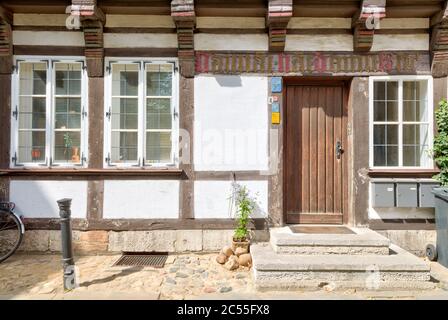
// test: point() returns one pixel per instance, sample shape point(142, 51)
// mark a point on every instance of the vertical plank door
point(314, 168)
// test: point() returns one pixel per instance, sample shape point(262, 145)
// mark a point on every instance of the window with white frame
point(49, 113)
point(141, 113)
point(401, 121)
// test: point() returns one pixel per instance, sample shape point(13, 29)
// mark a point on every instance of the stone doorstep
point(265, 259)
point(363, 237)
point(289, 284)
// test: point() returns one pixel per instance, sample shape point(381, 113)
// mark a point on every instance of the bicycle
point(11, 230)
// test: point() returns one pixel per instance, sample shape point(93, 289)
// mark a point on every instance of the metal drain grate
point(142, 260)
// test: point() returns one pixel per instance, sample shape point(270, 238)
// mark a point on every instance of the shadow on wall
point(229, 81)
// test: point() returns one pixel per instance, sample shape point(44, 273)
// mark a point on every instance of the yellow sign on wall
point(275, 117)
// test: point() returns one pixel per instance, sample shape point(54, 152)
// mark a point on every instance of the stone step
point(399, 270)
point(362, 241)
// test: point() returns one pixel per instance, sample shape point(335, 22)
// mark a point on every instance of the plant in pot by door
point(440, 152)
point(244, 209)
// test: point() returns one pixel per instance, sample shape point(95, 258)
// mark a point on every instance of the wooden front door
point(315, 153)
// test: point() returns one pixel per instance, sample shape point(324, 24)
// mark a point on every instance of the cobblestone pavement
point(192, 276)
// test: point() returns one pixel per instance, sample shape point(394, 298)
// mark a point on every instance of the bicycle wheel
point(10, 234)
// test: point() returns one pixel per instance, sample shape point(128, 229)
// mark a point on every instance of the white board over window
point(231, 123)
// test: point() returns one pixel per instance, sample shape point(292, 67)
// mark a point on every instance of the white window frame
point(141, 113)
point(50, 111)
point(430, 110)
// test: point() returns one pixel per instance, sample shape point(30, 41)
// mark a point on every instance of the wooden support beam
point(365, 22)
point(92, 21)
point(277, 18)
point(6, 50)
point(184, 16)
point(439, 43)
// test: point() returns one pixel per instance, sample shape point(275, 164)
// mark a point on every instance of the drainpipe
point(68, 263)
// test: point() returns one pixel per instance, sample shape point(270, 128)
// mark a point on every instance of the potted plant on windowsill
point(244, 209)
point(440, 152)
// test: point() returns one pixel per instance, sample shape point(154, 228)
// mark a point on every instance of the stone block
point(188, 240)
point(35, 240)
point(214, 240)
point(143, 241)
point(414, 241)
point(91, 241)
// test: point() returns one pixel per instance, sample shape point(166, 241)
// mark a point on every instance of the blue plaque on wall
point(275, 107)
point(276, 84)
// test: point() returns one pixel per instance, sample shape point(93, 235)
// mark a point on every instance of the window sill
point(91, 172)
point(403, 173)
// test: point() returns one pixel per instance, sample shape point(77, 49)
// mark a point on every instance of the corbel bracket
point(439, 43)
point(365, 22)
point(6, 48)
point(277, 19)
point(184, 17)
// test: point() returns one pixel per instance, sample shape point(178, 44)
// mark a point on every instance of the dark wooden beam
point(439, 43)
point(92, 20)
point(365, 21)
point(277, 18)
point(184, 16)
point(6, 18)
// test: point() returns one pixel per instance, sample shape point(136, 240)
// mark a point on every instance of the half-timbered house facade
point(144, 113)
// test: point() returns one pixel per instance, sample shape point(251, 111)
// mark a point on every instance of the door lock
point(339, 150)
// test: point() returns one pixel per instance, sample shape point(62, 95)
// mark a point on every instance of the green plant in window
point(68, 142)
point(440, 150)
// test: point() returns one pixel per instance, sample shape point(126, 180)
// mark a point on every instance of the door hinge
point(84, 112)
point(109, 113)
point(83, 159)
point(15, 159)
point(15, 113)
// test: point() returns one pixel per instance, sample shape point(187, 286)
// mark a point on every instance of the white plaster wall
point(230, 22)
point(211, 198)
point(24, 19)
point(319, 23)
point(139, 21)
point(141, 199)
point(333, 42)
point(48, 38)
point(205, 41)
point(230, 123)
point(382, 42)
point(140, 40)
point(37, 198)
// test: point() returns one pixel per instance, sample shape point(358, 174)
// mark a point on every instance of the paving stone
point(225, 289)
point(181, 275)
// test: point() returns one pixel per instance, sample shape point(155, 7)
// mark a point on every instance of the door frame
point(345, 83)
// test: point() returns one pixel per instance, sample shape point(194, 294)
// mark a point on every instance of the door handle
point(339, 150)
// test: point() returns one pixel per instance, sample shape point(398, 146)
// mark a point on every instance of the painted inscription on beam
point(313, 63)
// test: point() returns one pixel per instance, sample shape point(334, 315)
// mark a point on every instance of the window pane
point(158, 147)
point(415, 145)
point(33, 78)
point(124, 113)
point(158, 113)
point(392, 111)
point(67, 146)
point(125, 79)
point(31, 146)
point(379, 90)
point(392, 155)
point(68, 113)
point(379, 112)
point(159, 79)
point(392, 90)
point(379, 156)
point(124, 147)
point(68, 78)
point(32, 113)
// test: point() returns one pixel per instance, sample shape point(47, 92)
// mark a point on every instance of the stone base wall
point(90, 242)
point(414, 241)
